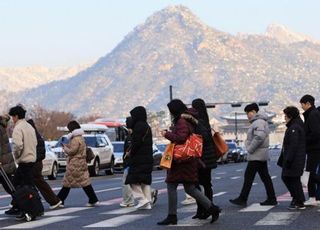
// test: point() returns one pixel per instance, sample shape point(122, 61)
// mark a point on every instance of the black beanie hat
point(250, 107)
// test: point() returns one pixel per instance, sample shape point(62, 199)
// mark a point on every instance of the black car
point(234, 152)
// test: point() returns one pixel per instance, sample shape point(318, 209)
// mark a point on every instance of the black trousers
point(204, 177)
point(295, 188)
point(260, 167)
point(64, 192)
point(312, 163)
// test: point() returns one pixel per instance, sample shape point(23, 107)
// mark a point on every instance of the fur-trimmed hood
point(74, 133)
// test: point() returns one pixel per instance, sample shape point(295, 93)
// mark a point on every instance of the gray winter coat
point(257, 143)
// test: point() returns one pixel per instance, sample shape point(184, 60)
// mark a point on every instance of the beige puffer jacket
point(76, 174)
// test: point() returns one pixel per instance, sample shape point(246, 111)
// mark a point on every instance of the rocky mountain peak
point(284, 35)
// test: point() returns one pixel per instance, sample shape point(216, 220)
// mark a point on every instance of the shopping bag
point(220, 144)
point(166, 159)
point(192, 148)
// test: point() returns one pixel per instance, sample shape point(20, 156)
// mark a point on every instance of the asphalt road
point(227, 182)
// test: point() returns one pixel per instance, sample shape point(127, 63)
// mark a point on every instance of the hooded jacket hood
point(139, 113)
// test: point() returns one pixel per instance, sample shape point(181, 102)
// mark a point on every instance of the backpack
point(41, 149)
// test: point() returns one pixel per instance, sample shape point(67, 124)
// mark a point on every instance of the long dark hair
point(176, 108)
point(200, 106)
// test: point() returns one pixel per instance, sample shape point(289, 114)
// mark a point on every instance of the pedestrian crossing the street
point(123, 216)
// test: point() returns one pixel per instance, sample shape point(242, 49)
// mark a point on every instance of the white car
point(50, 164)
point(95, 138)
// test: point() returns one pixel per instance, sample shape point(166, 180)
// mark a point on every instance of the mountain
point(22, 78)
point(174, 47)
point(282, 34)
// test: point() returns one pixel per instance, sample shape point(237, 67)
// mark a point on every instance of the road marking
point(256, 207)
point(188, 221)
point(219, 194)
point(284, 197)
point(235, 177)
point(193, 207)
point(239, 170)
point(278, 218)
point(121, 211)
point(221, 173)
point(273, 177)
point(117, 221)
point(108, 189)
point(65, 211)
point(217, 178)
point(254, 183)
point(39, 222)
point(3, 218)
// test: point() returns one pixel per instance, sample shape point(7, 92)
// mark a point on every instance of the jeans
point(189, 189)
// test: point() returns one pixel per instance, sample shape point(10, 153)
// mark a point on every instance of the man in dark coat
point(141, 158)
point(293, 156)
point(312, 131)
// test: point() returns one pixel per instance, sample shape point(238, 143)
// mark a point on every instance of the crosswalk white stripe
point(65, 211)
point(278, 218)
point(256, 207)
point(121, 211)
point(3, 218)
point(239, 170)
point(234, 178)
point(39, 222)
point(117, 221)
point(220, 173)
point(273, 177)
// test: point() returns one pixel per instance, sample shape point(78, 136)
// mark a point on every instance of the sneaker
point(12, 211)
point(142, 204)
point(239, 201)
point(269, 202)
point(146, 207)
point(188, 201)
point(301, 206)
point(21, 216)
point(57, 205)
point(311, 202)
point(124, 205)
point(154, 195)
point(93, 204)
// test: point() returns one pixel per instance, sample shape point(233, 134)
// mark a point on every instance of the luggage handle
point(6, 178)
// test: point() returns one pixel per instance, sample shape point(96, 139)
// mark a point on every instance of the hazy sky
point(71, 32)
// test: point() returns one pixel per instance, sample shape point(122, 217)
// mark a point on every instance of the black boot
point(171, 219)
point(214, 211)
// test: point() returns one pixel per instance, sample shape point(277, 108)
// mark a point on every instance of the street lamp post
point(236, 126)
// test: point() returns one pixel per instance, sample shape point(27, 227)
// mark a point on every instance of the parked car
point(95, 138)
point(162, 147)
point(157, 155)
point(243, 154)
point(118, 153)
point(50, 162)
point(118, 147)
point(233, 153)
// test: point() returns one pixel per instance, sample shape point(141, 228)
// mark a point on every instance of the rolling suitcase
point(26, 197)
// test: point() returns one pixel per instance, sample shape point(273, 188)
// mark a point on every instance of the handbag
point(220, 144)
point(192, 148)
point(167, 156)
point(89, 155)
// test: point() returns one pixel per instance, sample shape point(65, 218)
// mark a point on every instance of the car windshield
point(91, 141)
point(63, 140)
point(232, 145)
point(117, 147)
